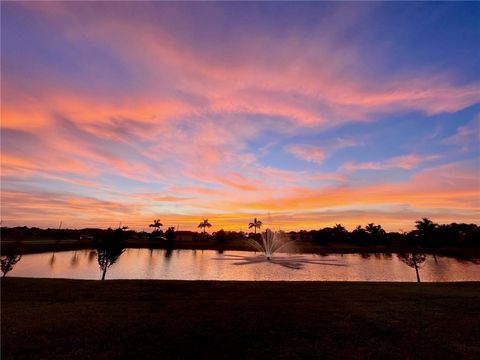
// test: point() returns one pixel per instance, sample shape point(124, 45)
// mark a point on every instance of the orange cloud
point(180, 128)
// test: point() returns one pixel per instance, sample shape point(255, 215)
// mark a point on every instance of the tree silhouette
point(204, 224)
point(8, 262)
point(339, 232)
point(220, 236)
point(375, 231)
point(170, 234)
point(156, 224)
point(360, 235)
point(413, 260)
point(110, 249)
point(426, 228)
point(256, 224)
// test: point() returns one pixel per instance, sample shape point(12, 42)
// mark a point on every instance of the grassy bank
point(65, 319)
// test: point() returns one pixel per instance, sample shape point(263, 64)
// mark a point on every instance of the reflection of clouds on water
point(241, 265)
point(292, 262)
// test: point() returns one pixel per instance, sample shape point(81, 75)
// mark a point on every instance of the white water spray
point(271, 242)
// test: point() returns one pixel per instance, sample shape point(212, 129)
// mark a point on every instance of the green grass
point(122, 319)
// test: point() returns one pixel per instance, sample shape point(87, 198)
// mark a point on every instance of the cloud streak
point(405, 162)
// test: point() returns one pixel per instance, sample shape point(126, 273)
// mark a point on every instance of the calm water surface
point(241, 265)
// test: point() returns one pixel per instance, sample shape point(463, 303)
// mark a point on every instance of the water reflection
point(241, 265)
point(52, 260)
point(292, 262)
point(74, 260)
point(91, 256)
point(168, 252)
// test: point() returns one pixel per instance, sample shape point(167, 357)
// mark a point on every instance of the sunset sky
point(301, 114)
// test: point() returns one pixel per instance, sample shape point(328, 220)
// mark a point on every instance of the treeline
point(92, 234)
point(24, 232)
point(426, 234)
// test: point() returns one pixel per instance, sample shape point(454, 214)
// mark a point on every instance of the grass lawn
point(136, 319)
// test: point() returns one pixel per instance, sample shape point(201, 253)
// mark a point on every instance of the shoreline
point(41, 246)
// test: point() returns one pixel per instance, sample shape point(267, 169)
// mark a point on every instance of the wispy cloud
point(307, 152)
point(400, 162)
point(317, 154)
point(467, 137)
point(144, 112)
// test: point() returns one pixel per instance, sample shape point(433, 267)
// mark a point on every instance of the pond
point(241, 265)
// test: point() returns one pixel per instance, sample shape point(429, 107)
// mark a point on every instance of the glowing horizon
point(301, 114)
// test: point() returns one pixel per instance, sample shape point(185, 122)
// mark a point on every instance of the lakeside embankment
point(29, 246)
point(64, 319)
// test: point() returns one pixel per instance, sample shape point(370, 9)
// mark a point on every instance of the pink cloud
point(450, 192)
point(186, 129)
point(305, 93)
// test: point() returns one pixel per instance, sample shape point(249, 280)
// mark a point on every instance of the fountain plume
point(271, 242)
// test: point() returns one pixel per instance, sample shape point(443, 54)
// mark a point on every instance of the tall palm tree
point(256, 224)
point(204, 224)
point(156, 224)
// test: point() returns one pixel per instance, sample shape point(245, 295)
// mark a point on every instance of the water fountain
point(271, 242)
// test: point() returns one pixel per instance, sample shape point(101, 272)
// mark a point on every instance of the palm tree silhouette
point(339, 232)
point(156, 224)
point(374, 230)
point(425, 227)
point(256, 224)
point(204, 224)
